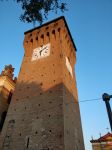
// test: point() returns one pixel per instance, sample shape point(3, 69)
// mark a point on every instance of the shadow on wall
point(40, 119)
point(3, 116)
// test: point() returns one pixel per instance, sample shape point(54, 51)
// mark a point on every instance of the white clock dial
point(41, 52)
point(69, 66)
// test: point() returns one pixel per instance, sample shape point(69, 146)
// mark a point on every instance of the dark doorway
point(3, 116)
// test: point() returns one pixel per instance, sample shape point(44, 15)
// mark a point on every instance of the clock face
point(41, 52)
point(69, 66)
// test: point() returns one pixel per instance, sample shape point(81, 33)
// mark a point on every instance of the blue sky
point(90, 23)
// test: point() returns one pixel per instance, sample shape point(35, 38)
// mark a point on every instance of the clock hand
point(42, 50)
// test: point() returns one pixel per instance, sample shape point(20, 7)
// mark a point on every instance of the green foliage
point(38, 10)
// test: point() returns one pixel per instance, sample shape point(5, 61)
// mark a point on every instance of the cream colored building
point(102, 143)
point(7, 86)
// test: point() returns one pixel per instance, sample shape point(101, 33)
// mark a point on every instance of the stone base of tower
point(47, 121)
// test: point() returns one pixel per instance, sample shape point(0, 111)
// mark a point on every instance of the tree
point(38, 10)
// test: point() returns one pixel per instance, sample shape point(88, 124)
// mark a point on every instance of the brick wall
point(44, 113)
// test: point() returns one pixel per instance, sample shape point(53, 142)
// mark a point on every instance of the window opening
point(31, 40)
point(28, 142)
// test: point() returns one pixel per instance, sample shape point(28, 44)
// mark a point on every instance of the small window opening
point(28, 142)
point(59, 29)
point(37, 38)
point(55, 24)
point(42, 36)
point(53, 32)
point(47, 28)
point(47, 33)
point(50, 131)
point(31, 40)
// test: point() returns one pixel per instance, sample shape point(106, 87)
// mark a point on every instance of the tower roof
point(45, 24)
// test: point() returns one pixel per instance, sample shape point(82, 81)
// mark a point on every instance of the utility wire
point(88, 100)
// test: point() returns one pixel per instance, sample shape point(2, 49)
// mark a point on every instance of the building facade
point(44, 111)
point(102, 143)
point(7, 86)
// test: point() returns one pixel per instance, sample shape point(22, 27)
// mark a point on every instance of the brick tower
point(7, 85)
point(44, 111)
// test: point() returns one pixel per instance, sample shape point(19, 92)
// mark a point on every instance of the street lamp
point(106, 97)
